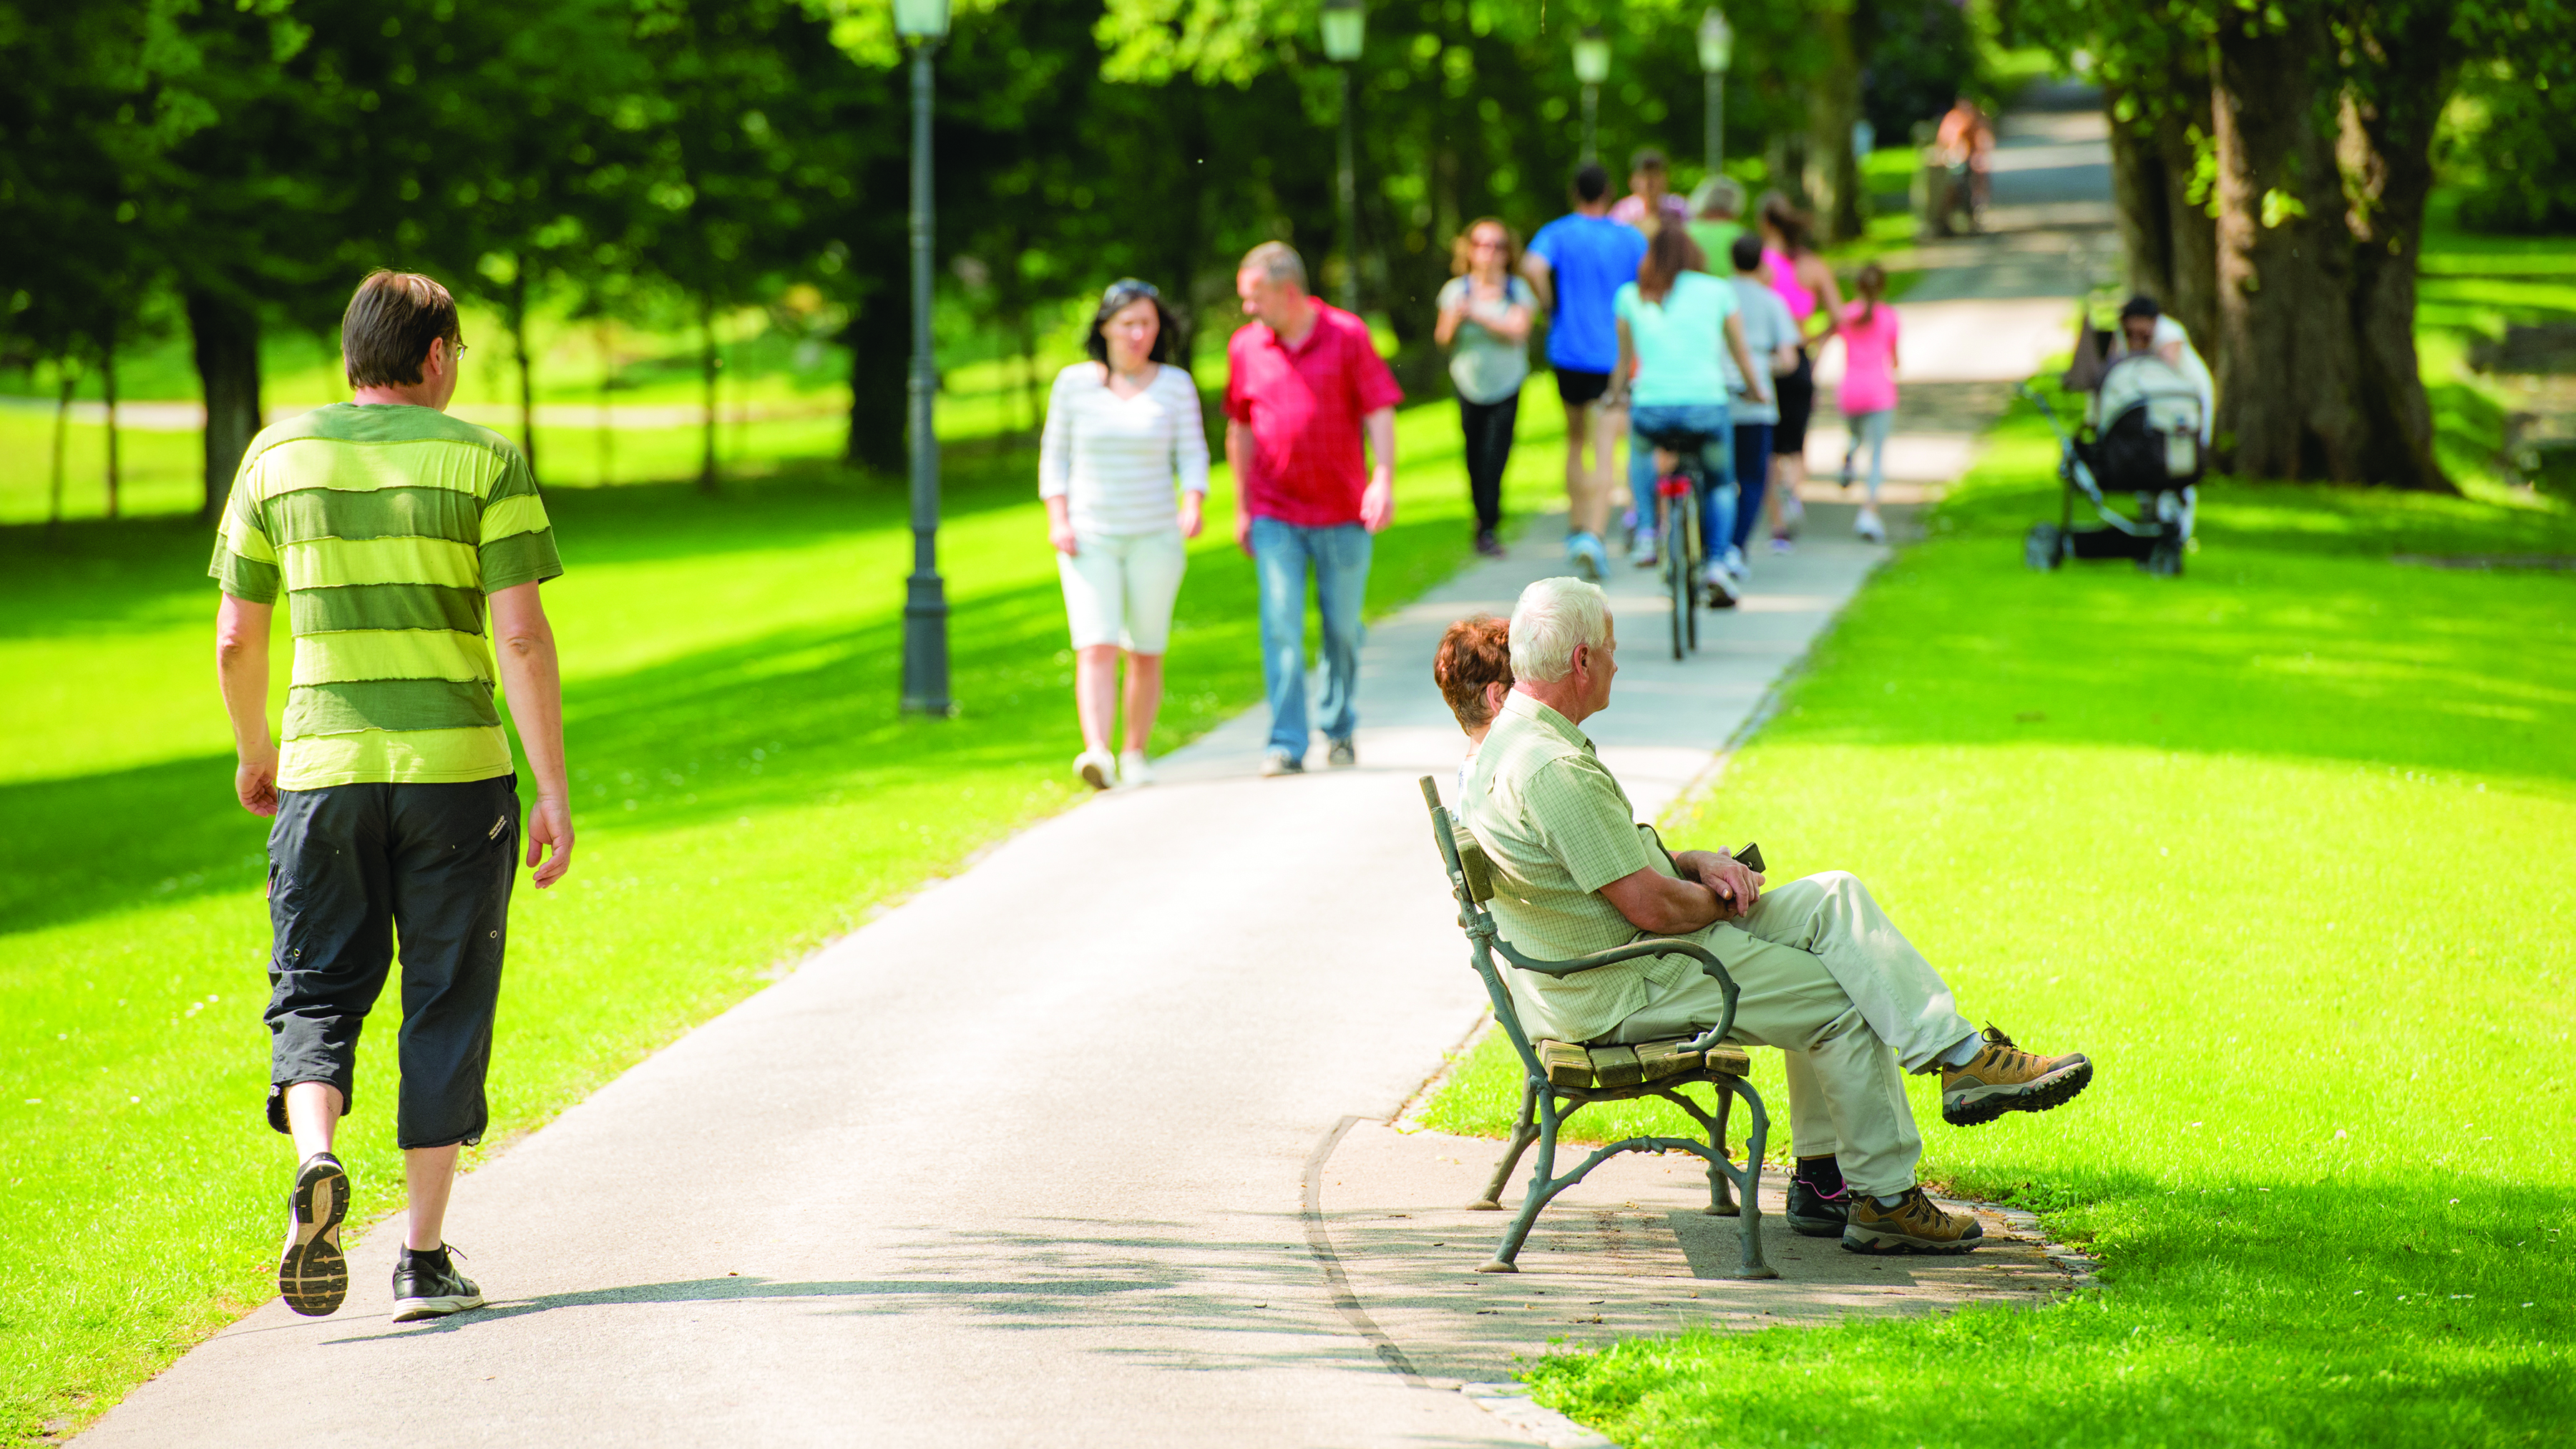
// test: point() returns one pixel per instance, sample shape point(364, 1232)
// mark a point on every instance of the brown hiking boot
point(1916, 1224)
point(2003, 1078)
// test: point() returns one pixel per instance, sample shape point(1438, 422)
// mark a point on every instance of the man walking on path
point(389, 526)
point(1303, 384)
point(1577, 263)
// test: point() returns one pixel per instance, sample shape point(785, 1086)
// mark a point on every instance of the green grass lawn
point(2283, 844)
point(746, 791)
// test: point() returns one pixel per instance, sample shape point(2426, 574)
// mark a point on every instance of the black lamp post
point(1345, 25)
point(1716, 49)
point(1592, 67)
point(922, 24)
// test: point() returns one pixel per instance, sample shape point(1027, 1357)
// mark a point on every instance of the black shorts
point(1581, 388)
point(349, 867)
point(1797, 402)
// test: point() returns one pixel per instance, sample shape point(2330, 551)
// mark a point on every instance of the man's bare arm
point(1377, 503)
point(1542, 279)
point(1238, 446)
point(525, 645)
point(1661, 905)
point(241, 668)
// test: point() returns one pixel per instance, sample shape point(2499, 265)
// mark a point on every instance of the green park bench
point(1561, 1078)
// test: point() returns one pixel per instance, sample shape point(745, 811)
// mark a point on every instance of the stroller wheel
point(2044, 547)
point(2165, 558)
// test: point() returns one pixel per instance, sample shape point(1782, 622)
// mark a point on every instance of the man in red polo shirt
point(1303, 385)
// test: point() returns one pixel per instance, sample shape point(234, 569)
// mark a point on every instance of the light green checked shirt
point(1558, 828)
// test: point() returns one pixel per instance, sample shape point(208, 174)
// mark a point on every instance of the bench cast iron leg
point(1756, 1140)
point(1721, 1201)
point(1523, 1132)
point(1543, 1185)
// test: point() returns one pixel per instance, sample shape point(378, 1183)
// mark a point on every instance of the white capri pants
point(1120, 590)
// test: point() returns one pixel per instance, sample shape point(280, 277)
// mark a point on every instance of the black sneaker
point(311, 1275)
point(1487, 544)
point(427, 1285)
point(1817, 1215)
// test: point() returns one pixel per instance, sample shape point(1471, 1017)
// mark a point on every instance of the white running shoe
point(1869, 527)
point(1132, 769)
point(1719, 584)
point(1793, 513)
point(1096, 768)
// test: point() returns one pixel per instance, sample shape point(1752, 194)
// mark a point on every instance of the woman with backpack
point(1485, 315)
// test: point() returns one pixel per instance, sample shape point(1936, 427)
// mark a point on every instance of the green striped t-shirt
point(386, 526)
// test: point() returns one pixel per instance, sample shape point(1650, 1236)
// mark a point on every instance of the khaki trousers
point(1831, 982)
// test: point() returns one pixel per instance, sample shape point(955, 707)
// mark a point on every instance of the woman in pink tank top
point(1794, 270)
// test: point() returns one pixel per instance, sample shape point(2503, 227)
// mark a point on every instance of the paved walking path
point(1022, 1162)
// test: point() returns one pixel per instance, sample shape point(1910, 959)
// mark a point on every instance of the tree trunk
point(62, 434)
point(2141, 196)
point(2287, 364)
point(2182, 125)
point(107, 382)
point(2387, 149)
point(226, 336)
point(607, 387)
point(707, 358)
point(880, 339)
point(1833, 104)
point(519, 348)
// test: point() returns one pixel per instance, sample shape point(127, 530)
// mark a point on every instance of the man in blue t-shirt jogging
point(1577, 264)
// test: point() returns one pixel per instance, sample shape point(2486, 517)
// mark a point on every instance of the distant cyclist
point(1672, 322)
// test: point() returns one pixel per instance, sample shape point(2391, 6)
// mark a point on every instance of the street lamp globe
point(1591, 56)
point(1345, 29)
point(921, 19)
point(1716, 41)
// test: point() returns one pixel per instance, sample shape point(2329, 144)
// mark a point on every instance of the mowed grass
point(746, 791)
point(2282, 844)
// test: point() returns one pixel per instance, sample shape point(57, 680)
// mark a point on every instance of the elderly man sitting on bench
point(1824, 975)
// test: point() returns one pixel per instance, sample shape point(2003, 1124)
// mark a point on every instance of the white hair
point(1554, 618)
point(1276, 261)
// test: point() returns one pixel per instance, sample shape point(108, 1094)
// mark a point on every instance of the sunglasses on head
point(1124, 291)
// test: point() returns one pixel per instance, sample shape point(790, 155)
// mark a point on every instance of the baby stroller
point(2141, 435)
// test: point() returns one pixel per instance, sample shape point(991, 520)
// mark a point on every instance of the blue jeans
point(1283, 553)
point(1752, 476)
point(1717, 465)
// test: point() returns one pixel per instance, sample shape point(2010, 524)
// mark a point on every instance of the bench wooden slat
point(1570, 1064)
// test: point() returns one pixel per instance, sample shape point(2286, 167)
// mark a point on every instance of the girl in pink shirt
point(1868, 394)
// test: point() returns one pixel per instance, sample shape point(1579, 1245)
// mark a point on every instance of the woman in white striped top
point(1121, 429)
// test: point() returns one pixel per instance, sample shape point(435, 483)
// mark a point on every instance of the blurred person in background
point(1485, 314)
point(1121, 430)
point(1771, 336)
point(1577, 264)
point(1791, 263)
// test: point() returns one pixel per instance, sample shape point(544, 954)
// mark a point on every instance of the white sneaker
point(1096, 768)
point(1793, 513)
point(1719, 584)
point(1869, 527)
point(1132, 769)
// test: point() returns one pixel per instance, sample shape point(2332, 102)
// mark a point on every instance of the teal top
point(1679, 341)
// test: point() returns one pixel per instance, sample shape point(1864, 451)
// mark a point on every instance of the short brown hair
point(1474, 654)
point(385, 334)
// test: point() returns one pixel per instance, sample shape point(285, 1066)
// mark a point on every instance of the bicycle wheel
point(1690, 573)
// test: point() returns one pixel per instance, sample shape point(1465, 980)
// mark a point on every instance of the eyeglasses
point(1124, 291)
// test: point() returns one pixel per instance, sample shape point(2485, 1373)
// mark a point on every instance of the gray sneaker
point(1280, 762)
point(1342, 755)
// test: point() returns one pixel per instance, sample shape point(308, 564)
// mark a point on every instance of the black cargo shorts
point(351, 868)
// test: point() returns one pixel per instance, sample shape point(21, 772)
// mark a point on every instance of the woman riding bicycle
point(1672, 322)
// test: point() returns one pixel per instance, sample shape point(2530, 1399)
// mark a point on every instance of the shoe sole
point(1815, 1227)
point(413, 1310)
point(1883, 1242)
point(1094, 776)
point(312, 1276)
point(1988, 1103)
